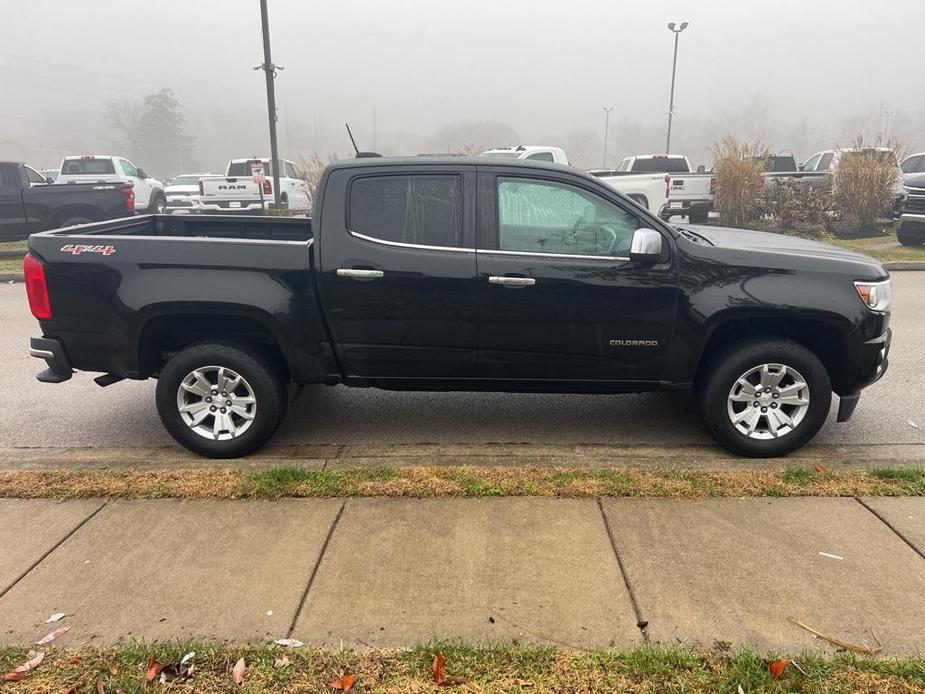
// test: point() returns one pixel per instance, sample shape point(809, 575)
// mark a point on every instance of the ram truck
point(459, 274)
point(247, 186)
point(29, 202)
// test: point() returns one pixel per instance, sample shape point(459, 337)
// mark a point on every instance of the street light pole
point(607, 110)
point(674, 65)
point(269, 70)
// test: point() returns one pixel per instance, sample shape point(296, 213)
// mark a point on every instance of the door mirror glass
point(141, 173)
point(701, 169)
point(800, 167)
point(647, 246)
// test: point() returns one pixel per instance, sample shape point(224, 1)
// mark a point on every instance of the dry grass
point(498, 668)
point(460, 481)
point(11, 265)
point(739, 177)
point(312, 170)
point(864, 183)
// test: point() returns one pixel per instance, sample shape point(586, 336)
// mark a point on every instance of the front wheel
point(907, 239)
point(158, 206)
point(220, 400)
point(766, 398)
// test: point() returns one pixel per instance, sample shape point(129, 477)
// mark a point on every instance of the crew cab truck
point(29, 202)
point(461, 274)
point(239, 190)
point(104, 168)
point(690, 194)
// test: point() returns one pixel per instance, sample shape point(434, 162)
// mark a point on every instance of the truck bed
point(200, 226)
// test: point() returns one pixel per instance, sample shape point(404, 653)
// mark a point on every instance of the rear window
point(87, 167)
point(420, 209)
point(243, 168)
point(661, 165)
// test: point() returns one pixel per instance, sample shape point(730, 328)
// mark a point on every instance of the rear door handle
point(360, 274)
point(512, 281)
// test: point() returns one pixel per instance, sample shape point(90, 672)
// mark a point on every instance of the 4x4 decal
point(77, 249)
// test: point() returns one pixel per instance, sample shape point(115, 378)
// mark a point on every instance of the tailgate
point(690, 187)
point(226, 188)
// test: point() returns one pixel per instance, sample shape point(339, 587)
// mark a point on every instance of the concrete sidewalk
point(392, 572)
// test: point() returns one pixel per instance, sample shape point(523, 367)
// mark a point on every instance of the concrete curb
point(6, 277)
point(897, 265)
point(12, 255)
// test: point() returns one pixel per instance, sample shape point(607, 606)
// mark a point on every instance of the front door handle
point(512, 281)
point(360, 274)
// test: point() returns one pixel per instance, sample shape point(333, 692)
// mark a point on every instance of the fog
point(416, 76)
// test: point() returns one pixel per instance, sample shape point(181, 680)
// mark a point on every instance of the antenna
point(352, 141)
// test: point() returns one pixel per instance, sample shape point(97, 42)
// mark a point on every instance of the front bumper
point(59, 368)
point(872, 372)
point(183, 205)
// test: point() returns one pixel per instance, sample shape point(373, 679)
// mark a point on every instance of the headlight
point(878, 296)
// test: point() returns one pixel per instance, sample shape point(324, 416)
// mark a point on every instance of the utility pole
point(674, 65)
point(607, 110)
point(269, 70)
point(375, 148)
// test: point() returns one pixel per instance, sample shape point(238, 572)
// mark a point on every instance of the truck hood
point(785, 250)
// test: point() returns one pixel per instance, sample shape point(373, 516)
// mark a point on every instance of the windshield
point(87, 167)
point(661, 165)
point(185, 181)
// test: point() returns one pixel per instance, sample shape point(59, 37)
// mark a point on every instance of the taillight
point(36, 287)
point(200, 188)
point(129, 194)
point(667, 185)
point(712, 186)
point(267, 188)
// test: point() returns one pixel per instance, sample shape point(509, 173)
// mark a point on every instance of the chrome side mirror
point(646, 247)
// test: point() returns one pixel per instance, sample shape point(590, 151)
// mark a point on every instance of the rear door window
point(418, 209)
point(825, 162)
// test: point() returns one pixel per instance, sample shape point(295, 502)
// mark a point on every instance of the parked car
point(238, 191)
point(911, 229)
point(460, 274)
point(183, 194)
point(28, 203)
point(690, 195)
point(555, 155)
point(104, 168)
point(913, 166)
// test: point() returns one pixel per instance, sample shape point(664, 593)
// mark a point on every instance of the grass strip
point(497, 668)
point(11, 265)
point(13, 245)
point(461, 481)
point(883, 248)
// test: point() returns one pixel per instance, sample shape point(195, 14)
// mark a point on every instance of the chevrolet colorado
point(460, 274)
point(29, 202)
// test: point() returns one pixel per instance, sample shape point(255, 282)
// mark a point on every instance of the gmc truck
point(459, 274)
point(29, 202)
point(690, 194)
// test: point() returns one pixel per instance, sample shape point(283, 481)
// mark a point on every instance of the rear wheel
point(220, 400)
point(766, 398)
point(907, 239)
point(158, 206)
point(698, 217)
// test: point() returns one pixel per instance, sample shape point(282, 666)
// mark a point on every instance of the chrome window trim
point(554, 255)
point(400, 244)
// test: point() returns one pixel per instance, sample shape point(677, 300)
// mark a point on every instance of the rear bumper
point(59, 368)
point(232, 206)
point(686, 207)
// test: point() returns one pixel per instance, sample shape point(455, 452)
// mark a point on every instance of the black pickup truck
point(29, 202)
point(460, 274)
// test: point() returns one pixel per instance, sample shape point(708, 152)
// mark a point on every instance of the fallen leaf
point(154, 669)
point(55, 617)
point(48, 638)
point(18, 672)
point(282, 662)
point(237, 672)
point(73, 658)
point(740, 690)
point(821, 469)
point(289, 643)
point(777, 667)
point(100, 687)
point(71, 690)
point(113, 670)
point(344, 684)
point(188, 657)
point(439, 668)
point(177, 671)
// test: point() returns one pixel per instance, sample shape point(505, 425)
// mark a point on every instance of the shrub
point(795, 208)
point(864, 184)
point(312, 170)
point(738, 176)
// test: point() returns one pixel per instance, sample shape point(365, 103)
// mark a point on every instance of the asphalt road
point(79, 413)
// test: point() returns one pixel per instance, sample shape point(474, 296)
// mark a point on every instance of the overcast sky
point(541, 66)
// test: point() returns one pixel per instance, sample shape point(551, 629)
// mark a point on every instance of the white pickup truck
point(690, 195)
point(649, 191)
point(104, 168)
point(247, 186)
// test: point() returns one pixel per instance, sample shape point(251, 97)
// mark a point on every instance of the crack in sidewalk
point(891, 527)
point(311, 578)
point(641, 624)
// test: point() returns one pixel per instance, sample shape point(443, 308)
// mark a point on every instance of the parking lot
point(80, 414)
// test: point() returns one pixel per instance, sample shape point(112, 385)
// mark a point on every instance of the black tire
point(698, 217)
point(158, 205)
point(737, 361)
point(909, 240)
point(268, 387)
